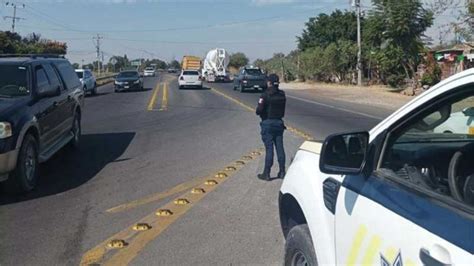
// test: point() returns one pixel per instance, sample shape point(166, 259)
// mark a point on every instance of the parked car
point(87, 79)
point(250, 78)
point(172, 70)
point(400, 194)
point(149, 72)
point(190, 78)
point(128, 80)
point(41, 101)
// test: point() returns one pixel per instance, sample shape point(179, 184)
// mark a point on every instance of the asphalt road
point(145, 149)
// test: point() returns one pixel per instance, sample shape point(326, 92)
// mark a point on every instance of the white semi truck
point(215, 65)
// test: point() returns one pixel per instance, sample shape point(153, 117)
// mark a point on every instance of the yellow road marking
point(151, 104)
point(390, 254)
point(156, 197)
point(297, 132)
point(164, 101)
point(137, 240)
point(356, 245)
point(372, 249)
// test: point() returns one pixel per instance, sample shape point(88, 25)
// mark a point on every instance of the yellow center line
point(134, 241)
point(156, 197)
point(164, 101)
point(151, 104)
point(294, 130)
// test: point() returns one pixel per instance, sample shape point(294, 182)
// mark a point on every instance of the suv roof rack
point(33, 55)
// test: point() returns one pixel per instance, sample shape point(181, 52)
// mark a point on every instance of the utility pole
point(97, 47)
point(14, 17)
point(359, 46)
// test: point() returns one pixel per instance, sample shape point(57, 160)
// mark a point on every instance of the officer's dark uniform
point(271, 108)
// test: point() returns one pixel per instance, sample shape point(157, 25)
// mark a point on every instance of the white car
point(400, 194)
point(190, 78)
point(87, 80)
point(149, 72)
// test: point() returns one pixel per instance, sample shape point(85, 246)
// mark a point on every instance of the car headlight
point(136, 82)
point(5, 130)
point(118, 83)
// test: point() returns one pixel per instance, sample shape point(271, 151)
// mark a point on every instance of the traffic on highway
point(333, 151)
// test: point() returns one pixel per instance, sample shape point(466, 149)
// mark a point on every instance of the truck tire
point(25, 176)
point(76, 131)
point(299, 248)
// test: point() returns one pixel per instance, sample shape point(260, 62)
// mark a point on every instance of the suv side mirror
point(45, 91)
point(344, 154)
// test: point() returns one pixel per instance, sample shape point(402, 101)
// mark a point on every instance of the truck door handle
point(427, 259)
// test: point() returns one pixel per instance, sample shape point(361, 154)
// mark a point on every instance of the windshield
point(252, 71)
point(13, 81)
point(190, 73)
point(149, 69)
point(128, 74)
point(80, 74)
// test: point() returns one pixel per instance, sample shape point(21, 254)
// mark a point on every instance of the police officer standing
point(271, 109)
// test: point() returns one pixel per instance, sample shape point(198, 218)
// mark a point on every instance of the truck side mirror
point(344, 154)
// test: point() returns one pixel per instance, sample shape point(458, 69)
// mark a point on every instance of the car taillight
point(181, 78)
point(244, 81)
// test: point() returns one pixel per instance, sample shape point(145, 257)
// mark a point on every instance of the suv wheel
point(299, 249)
point(76, 132)
point(25, 176)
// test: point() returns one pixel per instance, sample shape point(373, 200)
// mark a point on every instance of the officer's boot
point(265, 175)
point(281, 173)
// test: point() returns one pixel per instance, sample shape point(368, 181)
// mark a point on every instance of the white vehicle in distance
point(399, 194)
point(149, 72)
point(190, 78)
point(459, 123)
point(88, 80)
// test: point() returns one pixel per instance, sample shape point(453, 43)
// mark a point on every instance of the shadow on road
point(69, 169)
point(195, 88)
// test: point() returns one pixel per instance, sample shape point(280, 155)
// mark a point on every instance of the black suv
point(250, 77)
point(41, 102)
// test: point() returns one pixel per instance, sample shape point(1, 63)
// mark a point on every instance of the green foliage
point(159, 63)
point(76, 66)
point(13, 43)
point(325, 29)
point(238, 60)
point(174, 64)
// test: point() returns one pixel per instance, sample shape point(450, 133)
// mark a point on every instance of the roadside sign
point(136, 63)
point(113, 61)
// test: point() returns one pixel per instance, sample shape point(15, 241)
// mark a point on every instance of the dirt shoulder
point(379, 96)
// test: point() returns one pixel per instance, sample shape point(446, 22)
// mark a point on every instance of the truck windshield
point(80, 74)
point(252, 71)
point(13, 81)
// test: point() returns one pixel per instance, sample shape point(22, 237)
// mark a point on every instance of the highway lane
point(318, 117)
point(130, 154)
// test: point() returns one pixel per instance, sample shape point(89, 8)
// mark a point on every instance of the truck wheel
point(299, 249)
point(25, 176)
point(76, 132)
point(94, 90)
point(241, 88)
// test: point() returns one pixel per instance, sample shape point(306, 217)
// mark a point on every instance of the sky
point(169, 29)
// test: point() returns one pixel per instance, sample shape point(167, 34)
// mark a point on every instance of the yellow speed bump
point(198, 190)
point(141, 227)
point(211, 182)
point(247, 157)
point(239, 162)
point(221, 175)
point(117, 243)
point(230, 168)
point(181, 202)
point(164, 212)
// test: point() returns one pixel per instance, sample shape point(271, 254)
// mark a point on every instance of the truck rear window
point(13, 81)
point(252, 71)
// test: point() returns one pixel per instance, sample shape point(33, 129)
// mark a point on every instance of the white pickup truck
point(400, 194)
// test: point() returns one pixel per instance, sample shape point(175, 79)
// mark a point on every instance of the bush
point(431, 78)
point(395, 80)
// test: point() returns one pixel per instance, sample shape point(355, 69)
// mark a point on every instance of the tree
point(76, 66)
point(393, 33)
point(174, 64)
point(325, 29)
point(31, 44)
point(238, 60)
